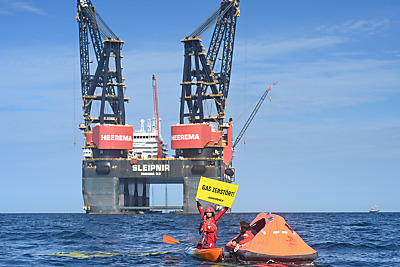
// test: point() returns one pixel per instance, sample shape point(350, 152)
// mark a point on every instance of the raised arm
point(220, 213)
point(200, 208)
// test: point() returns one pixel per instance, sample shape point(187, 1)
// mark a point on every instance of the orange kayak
point(211, 254)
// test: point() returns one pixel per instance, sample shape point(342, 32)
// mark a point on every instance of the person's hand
point(197, 199)
point(236, 248)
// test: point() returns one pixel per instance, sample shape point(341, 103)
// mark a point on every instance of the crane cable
point(210, 21)
point(96, 19)
point(74, 81)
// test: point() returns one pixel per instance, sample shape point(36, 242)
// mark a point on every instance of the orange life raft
point(275, 240)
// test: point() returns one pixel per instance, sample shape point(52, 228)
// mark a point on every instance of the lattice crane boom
point(106, 85)
point(202, 132)
point(246, 125)
point(157, 117)
point(203, 80)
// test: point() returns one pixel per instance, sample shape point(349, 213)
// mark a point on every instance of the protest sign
point(217, 192)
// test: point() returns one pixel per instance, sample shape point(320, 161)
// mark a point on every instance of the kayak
point(211, 254)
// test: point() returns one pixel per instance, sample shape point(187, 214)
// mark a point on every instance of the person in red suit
point(208, 228)
point(246, 235)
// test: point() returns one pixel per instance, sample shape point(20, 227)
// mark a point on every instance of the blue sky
point(328, 141)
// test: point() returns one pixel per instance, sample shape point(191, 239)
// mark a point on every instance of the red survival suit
point(245, 237)
point(209, 228)
point(240, 239)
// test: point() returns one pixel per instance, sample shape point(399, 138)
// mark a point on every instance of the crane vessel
point(120, 164)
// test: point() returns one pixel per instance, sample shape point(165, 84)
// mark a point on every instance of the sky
point(328, 140)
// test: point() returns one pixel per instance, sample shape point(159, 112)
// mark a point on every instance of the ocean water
point(341, 239)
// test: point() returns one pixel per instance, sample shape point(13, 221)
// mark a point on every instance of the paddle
point(171, 240)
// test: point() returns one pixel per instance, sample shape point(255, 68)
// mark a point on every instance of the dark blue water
point(341, 239)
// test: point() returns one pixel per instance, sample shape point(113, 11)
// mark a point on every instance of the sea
point(341, 239)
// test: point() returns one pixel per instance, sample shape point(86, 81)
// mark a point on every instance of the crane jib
point(253, 114)
point(96, 36)
point(208, 74)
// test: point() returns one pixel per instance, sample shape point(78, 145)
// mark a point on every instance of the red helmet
point(210, 209)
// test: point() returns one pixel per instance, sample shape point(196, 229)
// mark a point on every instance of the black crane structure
point(203, 79)
point(107, 77)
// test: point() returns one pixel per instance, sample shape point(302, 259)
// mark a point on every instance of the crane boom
point(105, 85)
point(205, 78)
point(246, 125)
point(157, 118)
point(202, 132)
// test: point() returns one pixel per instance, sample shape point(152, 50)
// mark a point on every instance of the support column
point(190, 185)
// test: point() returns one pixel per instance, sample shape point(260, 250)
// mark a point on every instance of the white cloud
point(18, 6)
point(28, 7)
point(5, 12)
point(320, 85)
point(315, 73)
point(262, 50)
point(354, 26)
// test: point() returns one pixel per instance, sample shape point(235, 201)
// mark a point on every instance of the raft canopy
point(275, 240)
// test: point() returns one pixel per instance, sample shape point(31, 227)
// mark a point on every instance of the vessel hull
point(112, 186)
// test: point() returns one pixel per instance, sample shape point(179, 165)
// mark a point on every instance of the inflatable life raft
point(275, 241)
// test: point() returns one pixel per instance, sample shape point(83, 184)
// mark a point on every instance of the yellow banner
point(217, 192)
